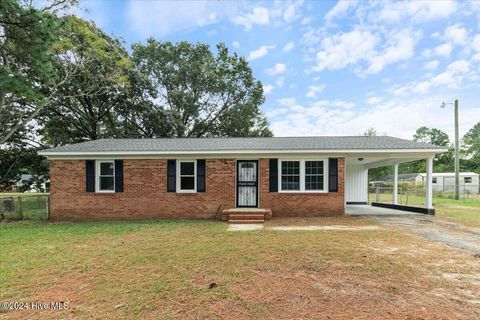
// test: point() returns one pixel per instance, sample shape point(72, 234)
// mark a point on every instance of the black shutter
point(118, 175)
point(200, 175)
point(90, 174)
point(273, 175)
point(332, 175)
point(171, 175)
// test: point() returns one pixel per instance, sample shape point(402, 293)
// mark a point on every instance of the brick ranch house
point(236, 178)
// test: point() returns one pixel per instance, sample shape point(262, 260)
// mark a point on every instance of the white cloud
point(259, 15)
point(276, 112)
point(171, 17)
point(443, 50)
point(236, 44)
point(277, 69)
point(289, 46)
point(306, 21)
point(476, 42)
point(340, 8)
point(451, 78)
point(267, 89)
point(419, 11)
point(260, 52)
point(456, 34)
point(400, 47)
point(287, 102)
point(374, 100)
point(364, 47)
point(432, 65)
point(292, 11)
point(396, 117)
point(340, 50)
point(313, 91)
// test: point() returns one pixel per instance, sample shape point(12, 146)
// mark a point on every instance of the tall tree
point(433, 136)
point(442, 162)
point(84, 107)
point(200, 93)
point(27, 75)
point(371, 132)
point(137, 116)
point(17, 160)
point(472, 144)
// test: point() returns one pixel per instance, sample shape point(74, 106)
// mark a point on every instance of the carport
point(356, 176)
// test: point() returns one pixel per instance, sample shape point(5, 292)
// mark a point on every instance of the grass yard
point(163, 269)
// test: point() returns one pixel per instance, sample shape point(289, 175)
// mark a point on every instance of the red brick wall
point(302, 204)
point(145, 195)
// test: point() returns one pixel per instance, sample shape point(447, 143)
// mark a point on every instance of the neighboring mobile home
point(445, 181)
point(112, 179)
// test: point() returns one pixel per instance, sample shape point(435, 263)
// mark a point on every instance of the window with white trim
point(434, 180)
point(105, 176)
point(187, 176)
point(467, 179)
point(290, 173)
point(314, 175)
point(303, 175)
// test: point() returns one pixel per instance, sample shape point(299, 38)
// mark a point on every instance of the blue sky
point(328, 67)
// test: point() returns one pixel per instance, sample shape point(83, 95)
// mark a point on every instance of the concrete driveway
point(431, 228)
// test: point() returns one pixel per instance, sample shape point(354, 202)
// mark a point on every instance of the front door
point(247, 183)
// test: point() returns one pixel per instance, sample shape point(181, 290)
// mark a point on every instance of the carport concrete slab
point(244, 227)
point(372, 211)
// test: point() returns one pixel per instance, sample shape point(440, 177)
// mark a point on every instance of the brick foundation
point(145, 195)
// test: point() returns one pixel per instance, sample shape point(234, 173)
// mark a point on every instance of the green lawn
point(163, 269)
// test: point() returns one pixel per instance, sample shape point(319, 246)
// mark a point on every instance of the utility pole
point(457, 150)
point(457, 154)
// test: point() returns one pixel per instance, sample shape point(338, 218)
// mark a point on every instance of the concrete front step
point(245, 221)
point(243, 216)
point(246, 214)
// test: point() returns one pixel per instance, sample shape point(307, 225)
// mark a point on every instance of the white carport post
point(428, 185)
point(395, 183)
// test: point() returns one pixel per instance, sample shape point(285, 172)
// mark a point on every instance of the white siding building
point(469, 181)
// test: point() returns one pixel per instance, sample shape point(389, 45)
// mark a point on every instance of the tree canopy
point(202, 93)
point(471, 141)
point(27, 74)
point(64, 80)
point(84, 107)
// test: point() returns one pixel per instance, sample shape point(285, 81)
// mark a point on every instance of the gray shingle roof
point(252, 144)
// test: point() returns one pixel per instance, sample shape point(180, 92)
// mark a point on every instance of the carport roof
point(212, 145)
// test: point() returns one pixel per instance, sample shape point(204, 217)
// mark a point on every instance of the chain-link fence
point(415, 195)
point(27, 206)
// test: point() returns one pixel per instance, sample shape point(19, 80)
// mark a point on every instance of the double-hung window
point(303, 175)
point(105, 176)
point(467, 179)
point(187, 176)
point(314, 175)
point(290, 175)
